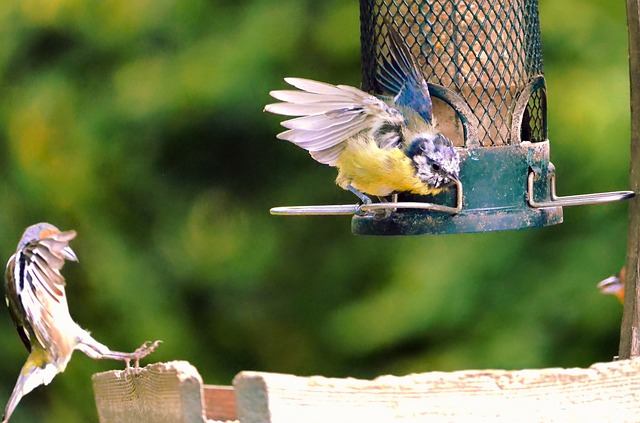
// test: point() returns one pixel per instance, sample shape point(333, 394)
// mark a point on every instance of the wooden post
point(630, 330)
point(170, 392)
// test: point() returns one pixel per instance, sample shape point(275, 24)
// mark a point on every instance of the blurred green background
point(139, 123)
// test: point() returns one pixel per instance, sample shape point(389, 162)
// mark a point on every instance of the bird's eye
point(435, 167)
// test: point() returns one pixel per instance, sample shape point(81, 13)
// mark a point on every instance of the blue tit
point(35, 295)
point(380, 146)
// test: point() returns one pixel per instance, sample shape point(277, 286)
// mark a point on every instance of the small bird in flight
point(380, 147)
point(35, 295)
point(614, 285)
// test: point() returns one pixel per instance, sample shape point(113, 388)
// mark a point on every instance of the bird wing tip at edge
point(292, 80)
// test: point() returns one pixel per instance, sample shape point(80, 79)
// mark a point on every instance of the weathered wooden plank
point(630, 329)
point(160, 393)
point(605, 392)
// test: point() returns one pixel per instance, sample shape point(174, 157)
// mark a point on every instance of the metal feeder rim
point(348, 209)
point(573, 200)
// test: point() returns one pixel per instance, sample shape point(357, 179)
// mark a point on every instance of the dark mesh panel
point(487, 52)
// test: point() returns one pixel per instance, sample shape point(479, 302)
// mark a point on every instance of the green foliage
point(139, 123)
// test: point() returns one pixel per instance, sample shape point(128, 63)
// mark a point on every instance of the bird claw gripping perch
point(364, 198)
point(371, 207)
point(144, 350)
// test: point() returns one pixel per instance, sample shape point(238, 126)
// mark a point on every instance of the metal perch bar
point(350, 209)
point(572, 200)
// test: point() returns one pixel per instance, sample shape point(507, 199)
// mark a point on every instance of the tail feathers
point(31, 376)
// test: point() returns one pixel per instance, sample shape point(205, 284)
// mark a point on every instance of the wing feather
point(317, 140)
point(295, 109)
point(292, 96)
point(42, 294)
point(329, 115)
point(13, 302)
point(318, 122)
point(329, 155)
point(312, 86)
point(401, 75)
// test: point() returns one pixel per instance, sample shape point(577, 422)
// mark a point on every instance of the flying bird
point(614, 285)
point(35, 295)
point(381, 146)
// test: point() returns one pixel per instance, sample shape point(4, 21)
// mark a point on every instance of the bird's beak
point(68, 254)
point(610, 285)
point(453, 179)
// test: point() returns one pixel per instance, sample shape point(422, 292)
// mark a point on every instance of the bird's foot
point(389, 212)
point(145, 349)
point(359, 194)
point(140, 353)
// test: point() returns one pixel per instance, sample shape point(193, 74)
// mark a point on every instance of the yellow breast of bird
point(376, 171)
point(37, 358)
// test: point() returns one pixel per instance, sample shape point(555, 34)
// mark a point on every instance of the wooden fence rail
point(174, 392)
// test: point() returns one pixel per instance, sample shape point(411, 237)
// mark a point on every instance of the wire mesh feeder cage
point(483, 62)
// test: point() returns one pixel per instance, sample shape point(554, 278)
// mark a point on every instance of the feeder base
point(494, 181)
point(421, 223)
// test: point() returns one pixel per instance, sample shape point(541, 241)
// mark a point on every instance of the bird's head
point(437, 163)
point(46, 230)
point(37, 232)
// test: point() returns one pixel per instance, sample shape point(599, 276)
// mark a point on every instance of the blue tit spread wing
point(39, 285)
point(401, 76)
point(330, 115)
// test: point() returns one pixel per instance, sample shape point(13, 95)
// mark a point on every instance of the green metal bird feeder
point(483, 62)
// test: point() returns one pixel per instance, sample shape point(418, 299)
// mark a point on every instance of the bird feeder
point(483, 63)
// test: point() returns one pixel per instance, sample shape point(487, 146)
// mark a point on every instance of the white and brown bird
point(35, 295)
